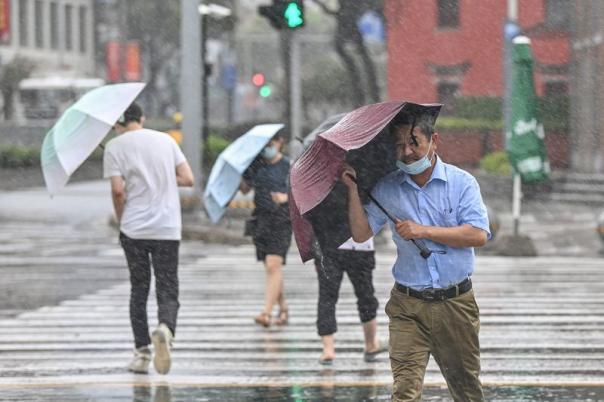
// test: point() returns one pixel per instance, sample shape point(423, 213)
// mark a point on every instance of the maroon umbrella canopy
point(360, 139)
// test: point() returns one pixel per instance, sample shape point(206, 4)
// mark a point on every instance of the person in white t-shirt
point(146, 167)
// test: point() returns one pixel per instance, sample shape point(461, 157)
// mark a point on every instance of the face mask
point(418, 166)
point(269, 153)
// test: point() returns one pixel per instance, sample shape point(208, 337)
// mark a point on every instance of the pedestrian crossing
point(542, 322)
point(542, 319)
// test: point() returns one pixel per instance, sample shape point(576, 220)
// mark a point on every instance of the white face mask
point(417, 167)
point(269, 152)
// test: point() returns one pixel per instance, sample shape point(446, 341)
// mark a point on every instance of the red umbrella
point(360, 139)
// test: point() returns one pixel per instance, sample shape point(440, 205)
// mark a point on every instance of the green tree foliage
point(215, 145)
point(496, 163)
point(12, 156)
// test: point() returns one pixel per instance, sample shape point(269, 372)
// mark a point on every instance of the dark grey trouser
point(330, 269)
point(447, 330)
point(163, 255)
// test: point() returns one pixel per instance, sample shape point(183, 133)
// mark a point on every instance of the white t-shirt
point(353, 245)
point(147, 160)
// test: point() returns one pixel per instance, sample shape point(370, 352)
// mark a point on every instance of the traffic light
point(259, 81)
point(284, 14)
point(294, 14)
point(265, 91)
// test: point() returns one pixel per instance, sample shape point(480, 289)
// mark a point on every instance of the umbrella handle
point(424, 251)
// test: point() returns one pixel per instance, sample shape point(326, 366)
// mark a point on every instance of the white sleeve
point(179, 157)
point(110, 165)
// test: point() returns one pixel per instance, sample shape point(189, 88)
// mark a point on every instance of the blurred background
point(351, 52)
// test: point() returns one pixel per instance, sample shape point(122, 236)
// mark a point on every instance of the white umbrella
point(81, 129)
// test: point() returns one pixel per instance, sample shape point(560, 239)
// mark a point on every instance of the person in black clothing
point(269, 175)
point(331, 261)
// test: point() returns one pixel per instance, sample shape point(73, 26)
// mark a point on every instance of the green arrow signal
point(293, 15)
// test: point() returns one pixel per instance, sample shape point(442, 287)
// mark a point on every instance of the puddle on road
point(285, 394)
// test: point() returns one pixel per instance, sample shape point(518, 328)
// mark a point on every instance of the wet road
point(542, 331)
point(143, 393)
point(542, 324)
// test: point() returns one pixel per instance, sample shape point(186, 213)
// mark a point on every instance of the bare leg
point(372, 343)
point(274, 282)
point(283, 317)
point(281, 298)
point(329, 350)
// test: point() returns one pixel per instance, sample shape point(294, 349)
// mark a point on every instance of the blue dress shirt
point(451, 197)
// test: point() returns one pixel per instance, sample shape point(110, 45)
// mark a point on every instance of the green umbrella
point(81, 129)
point(524, 140)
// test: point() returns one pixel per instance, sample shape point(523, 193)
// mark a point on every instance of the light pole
point(190, 83)
point(295, 147)
point(216, 11)
point(510, 30)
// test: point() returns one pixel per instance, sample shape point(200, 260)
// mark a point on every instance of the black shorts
point(272, 236)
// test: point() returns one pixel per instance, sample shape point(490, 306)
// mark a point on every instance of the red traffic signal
point(258, 79)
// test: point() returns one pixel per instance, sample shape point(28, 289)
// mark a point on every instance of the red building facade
point(442, 49)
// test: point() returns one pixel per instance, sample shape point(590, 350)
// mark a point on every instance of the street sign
point(371, 27)
point(229, 76)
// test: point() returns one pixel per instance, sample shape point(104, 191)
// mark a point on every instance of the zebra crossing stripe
point(529, 334)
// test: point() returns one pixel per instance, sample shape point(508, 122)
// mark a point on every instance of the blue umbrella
point(231, 163)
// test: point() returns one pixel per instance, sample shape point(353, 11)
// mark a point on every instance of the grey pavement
point(542, 327)
point(79, 204)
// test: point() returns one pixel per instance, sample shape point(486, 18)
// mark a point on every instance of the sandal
point(372, 357)
point(326, 361)
point(263, 319)
point(282, 317)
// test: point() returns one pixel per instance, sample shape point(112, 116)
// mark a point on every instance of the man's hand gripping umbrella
point(424, 251)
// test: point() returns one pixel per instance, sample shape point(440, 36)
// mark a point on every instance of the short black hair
point(279, 135)
point(424, 122)
point(422, 115)
point(134, 113)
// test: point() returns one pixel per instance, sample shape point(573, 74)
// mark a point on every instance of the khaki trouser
point(446, 329)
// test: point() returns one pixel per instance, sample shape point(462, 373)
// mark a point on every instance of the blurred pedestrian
point(269, 177)
point(145, 168)
point(332, 260)
point(432, 309)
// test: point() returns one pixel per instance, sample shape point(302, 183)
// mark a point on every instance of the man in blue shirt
point(432, 309)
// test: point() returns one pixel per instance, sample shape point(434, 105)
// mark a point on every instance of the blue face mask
point(269, 152)
point(417, 167)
